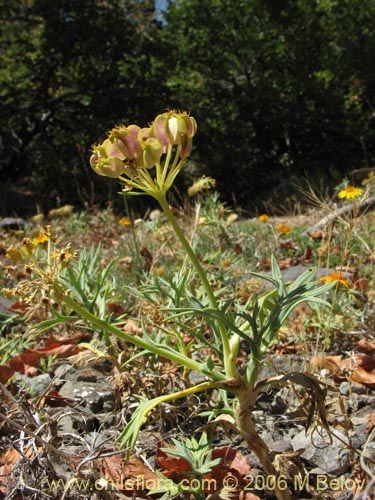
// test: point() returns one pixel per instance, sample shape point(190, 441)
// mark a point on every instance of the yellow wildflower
point(283, 229)
point(335, 277)
point(125, 221)
point(38, 240)
point(263, 217)
point(350, 192)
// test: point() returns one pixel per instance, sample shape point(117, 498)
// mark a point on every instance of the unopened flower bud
point(126, 140)
point(152, 150)
point(144, 134)
point(173, 128)
point(107, 160)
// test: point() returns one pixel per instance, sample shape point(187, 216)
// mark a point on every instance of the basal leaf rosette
point(130, 152)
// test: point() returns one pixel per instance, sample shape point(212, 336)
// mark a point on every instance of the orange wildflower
point(283, 229)
point(263, 217)
point(340, 278)
point(125, 221)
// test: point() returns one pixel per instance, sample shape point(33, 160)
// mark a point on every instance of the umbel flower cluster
point(130, 152)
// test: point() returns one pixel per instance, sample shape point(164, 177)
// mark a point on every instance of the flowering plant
point(147, 161)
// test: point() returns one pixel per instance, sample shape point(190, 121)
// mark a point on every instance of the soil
point(61, 427)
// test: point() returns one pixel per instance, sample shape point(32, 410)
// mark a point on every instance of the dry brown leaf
point(54, 400)
point(331, 363)
point(225, 421)
point(232, 458)
point(115, 309)
point(26, 363)
point(7, 460)
point(366, 346)
point(364, 361)
point(371, 423)
point(361, 376)
point(359, 368)
point(6, 372)
point(316, 235)
point(129, 476)
point(285, 263)
point(174, 468)
point(361, 284)
point(58, 350)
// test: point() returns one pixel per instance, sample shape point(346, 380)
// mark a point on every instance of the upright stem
point(229, 362)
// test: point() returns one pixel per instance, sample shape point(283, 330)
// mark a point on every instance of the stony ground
point(60, 418)
point(63, 425)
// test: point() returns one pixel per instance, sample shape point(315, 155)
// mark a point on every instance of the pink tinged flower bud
point(107, 160)
point(144, 134)
point(126, 140)
point(186, 147)
point(160, 129)
point(191, 126)
point(174, 128)
point(109, 167)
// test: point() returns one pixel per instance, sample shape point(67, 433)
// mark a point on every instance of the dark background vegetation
point(281, 90)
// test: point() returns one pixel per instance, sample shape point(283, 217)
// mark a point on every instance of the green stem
point(132, 229)
point(149, 182)
point(166, 166)
point(229, 362)
point(148, 345)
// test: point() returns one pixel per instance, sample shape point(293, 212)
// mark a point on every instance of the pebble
point(97, 397)
point(36, 386)
point(330, 454)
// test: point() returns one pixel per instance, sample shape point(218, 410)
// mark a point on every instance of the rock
point(282, 364)
point(330, 454)
point(62, 371)
point(5, 306)
point(96, 396)
point(293, 272)
point(280, 446)
point(345, 388)
point(12, 223)
point(36, 386)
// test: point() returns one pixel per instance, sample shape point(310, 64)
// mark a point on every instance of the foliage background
point(280, 89)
